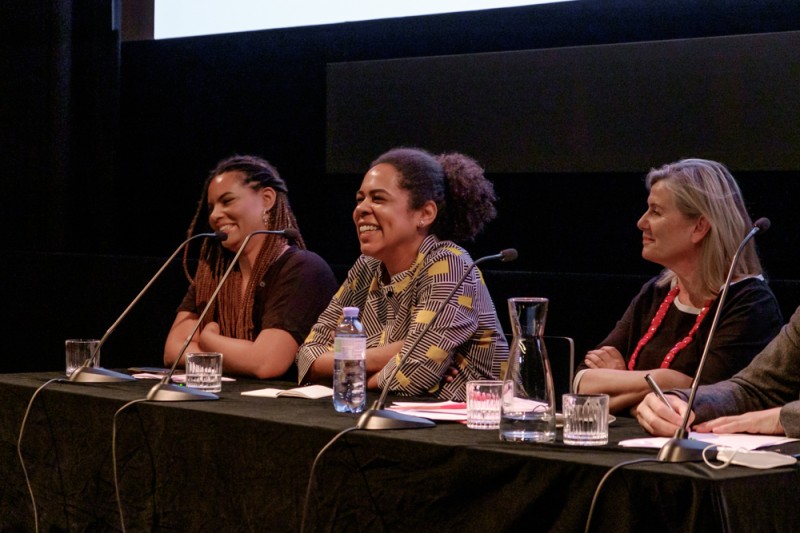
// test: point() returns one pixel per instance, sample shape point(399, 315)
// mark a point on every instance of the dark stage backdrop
point(614, 107)
point(59, 118)
point(186, 103)
point(105, 149)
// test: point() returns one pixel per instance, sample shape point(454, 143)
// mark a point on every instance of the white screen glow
point(184, 18)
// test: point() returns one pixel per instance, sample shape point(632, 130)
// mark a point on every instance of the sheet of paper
point(311, 392)
point(177, 378)
point(455, 411)
point(428, 405)
point(263, 393)
point(734, 440)
point(449, 411)
point(452, 415)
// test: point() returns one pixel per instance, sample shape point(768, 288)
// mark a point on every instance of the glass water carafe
point(528, 411)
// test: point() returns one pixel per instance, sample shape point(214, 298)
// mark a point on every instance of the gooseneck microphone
point(92, 374)
point(680, 449)
point(164, 391)
point(378, 417)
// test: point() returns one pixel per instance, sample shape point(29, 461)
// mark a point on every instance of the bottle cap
point(350, 312)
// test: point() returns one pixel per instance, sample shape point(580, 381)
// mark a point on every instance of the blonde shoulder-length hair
point(706, 188)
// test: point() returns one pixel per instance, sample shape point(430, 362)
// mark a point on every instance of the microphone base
point(88, 374)
point(375, 419)
point(168, 392)
point(677, 450)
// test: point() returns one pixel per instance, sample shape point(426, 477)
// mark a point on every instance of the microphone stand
point(91, 374)
point(681, 449)
point(164, 391)
point(378, 417)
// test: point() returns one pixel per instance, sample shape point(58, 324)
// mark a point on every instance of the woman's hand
point(321, 369)
point(658, 419)
point(184, 324)
point(209, 334)
point(605, 357)
point(767, 422)
point(450, 374)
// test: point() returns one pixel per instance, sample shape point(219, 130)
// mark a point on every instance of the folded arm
point(269, 355)
point(184, 322)
point(626, 388)
point(321, 370)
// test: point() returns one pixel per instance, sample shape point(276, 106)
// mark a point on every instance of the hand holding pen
point(656, 420)
point(659, 393)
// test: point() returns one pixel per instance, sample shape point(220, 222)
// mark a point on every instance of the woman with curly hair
point(410, 208)
point(275, 292)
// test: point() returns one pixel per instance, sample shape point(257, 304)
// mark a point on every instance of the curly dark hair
point(455, 182)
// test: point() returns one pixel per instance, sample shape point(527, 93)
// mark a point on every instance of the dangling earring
point(265, 218)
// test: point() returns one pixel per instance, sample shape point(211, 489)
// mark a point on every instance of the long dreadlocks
point(232, 309)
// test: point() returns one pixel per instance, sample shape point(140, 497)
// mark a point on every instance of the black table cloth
point(242, 464)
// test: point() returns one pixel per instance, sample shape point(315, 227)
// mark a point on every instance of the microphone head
point(291, 233)
point(220, 235)
point(509, 254)
point(762, 224)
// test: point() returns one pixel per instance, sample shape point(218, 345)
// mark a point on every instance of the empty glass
point(204, 371)
point(483, 404)
point(78, 351)
point(585, 419)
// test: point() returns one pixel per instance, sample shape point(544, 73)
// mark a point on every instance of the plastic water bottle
point(349, 364)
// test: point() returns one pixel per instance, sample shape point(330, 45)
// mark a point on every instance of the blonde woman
point(694, 222)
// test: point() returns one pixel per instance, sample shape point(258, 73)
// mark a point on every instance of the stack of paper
point(452, 411)
point(734, 440)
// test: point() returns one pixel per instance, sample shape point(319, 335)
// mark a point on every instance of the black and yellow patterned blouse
point(466, 332)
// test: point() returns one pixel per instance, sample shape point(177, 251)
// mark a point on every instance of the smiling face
point(669, 237)
point(234, 208)
point(388, 229)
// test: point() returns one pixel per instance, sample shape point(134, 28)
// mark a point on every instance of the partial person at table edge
point(275, 293)
point(410, 208)
point(694, 222)
point(763, 398)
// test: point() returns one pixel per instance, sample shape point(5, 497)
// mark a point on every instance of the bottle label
point(349, 348)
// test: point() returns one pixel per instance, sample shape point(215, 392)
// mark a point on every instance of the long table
point(242, 464)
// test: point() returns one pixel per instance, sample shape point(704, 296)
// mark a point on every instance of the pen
point(657, 390)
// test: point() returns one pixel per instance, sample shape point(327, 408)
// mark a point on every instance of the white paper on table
point(734, 440)
point(446, 411)
point(177, 378)
point(310, 392)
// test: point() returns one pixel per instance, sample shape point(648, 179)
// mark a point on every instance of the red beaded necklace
point(656, 323)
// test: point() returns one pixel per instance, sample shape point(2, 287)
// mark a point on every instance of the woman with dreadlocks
point(276, 291)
